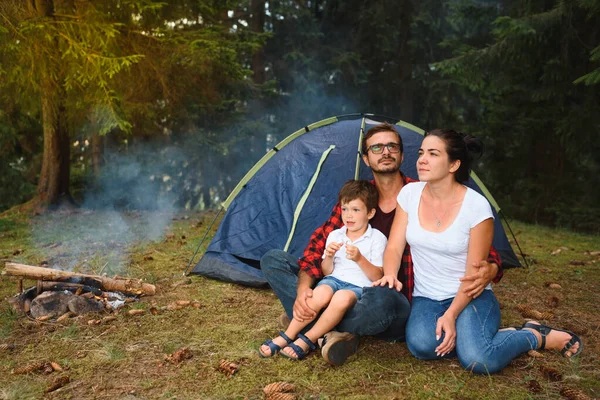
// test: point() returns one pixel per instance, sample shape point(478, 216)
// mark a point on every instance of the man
point(381, 311)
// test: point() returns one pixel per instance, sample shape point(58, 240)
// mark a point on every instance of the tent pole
point(514, 237)
point(202, 241)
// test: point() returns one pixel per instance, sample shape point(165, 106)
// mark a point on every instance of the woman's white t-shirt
point(440, 258)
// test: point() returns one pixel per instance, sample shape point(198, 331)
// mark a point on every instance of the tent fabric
point(260, 213)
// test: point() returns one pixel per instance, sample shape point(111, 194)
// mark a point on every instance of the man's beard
point(391, 168)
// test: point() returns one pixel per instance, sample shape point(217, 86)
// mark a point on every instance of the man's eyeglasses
point(377, 148)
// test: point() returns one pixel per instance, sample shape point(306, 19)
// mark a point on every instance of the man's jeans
point(380, 312)
point(479, 346)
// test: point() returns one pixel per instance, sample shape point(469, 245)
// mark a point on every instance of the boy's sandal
point(545, 330)
point(275, 348)
point(300, 353)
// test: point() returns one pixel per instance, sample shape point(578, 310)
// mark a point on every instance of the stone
point(50, 304)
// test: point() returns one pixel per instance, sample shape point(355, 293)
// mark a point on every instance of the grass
point(125, 358)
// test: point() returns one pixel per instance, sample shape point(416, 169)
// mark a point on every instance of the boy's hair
point(383, 127)
point(363, 190)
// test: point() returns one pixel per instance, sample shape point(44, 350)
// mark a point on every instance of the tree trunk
point(53, 184)
point(405, 58)
point(97, 154)
point(257, 24)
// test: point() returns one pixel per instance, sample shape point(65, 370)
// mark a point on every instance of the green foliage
point(517, 92)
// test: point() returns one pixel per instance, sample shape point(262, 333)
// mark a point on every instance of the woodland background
point(143, 104)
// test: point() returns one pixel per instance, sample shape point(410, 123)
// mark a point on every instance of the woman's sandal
point(545, 330)
point(300, 353)
point(275, 348)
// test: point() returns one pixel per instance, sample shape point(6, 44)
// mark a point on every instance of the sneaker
point(284, 321)
point(338, 346)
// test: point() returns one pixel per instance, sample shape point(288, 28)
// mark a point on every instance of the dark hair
point(363, 190)
point(459, 146)
point(384, 127)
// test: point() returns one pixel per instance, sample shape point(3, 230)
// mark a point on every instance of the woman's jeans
point(380, 312)
point(479, 346)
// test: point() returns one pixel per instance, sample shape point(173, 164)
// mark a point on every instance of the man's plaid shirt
point(310, 262)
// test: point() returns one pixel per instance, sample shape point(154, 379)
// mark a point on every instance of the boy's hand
point(333, 248)
point(353, 253)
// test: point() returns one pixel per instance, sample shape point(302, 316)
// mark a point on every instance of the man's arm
point(486, 271)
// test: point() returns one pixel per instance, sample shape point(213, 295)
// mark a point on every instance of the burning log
point(46, 286)
point(125, 285)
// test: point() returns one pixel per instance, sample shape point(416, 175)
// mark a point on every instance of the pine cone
point(281, 396)
point(6, 346)
point(276, 387)
point(228, 368)
point(534, 386)
point(551, 373)
point(528, 312)
point(29, 368)
point(546, 315)
point(573, 394)
point(57, 384)
point(535, 354)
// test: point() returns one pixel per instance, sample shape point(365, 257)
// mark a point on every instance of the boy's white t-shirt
point(371, 245)
point(440, 258)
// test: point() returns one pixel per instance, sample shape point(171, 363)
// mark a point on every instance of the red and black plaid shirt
point(310, 262)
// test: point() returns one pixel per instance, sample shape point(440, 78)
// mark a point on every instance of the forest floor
point(126, 358)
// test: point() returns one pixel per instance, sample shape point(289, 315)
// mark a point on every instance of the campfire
point(60, 294)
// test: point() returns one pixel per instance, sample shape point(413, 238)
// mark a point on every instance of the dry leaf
point(94, 322)
point(183, 303)
point(154, 310)
point(196, 304)
point(180, 355)
point(55, 366)
point(276, 387)
point(228, 368)
point(57, 384)
point(47, 369)
point(553, 302)
point(173, 306)
point(551, 373)
point(43, 318)
point(135, 312)
point(109, 318)
point(65, 316)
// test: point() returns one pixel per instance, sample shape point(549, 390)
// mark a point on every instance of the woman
point(449, 227)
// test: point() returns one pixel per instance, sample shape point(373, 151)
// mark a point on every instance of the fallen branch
point(124, 285)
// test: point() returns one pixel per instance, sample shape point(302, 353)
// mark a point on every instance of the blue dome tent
point(292, 190)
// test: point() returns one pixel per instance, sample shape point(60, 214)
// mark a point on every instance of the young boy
point(353, 259)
